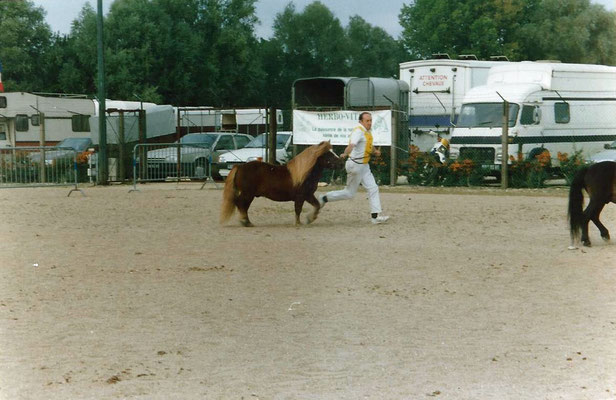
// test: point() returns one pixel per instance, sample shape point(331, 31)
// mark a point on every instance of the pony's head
point(301, 165)
point(330, 160)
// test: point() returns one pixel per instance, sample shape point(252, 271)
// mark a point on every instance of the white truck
point(437, 88)
point(552, 106)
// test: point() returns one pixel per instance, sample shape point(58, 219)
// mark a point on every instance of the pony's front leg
point(317, 207)
point(299, 204)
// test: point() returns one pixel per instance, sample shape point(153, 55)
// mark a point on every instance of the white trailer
point(21, 123)
point(552, 106)
point(437, 88)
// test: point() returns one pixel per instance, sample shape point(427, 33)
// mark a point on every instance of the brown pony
point(296, 181)
point(599, 181)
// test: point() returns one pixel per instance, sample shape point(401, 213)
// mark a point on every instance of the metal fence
point(172, 162)
point(40, 166)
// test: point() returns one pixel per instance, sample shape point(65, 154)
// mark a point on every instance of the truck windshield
point(261, 140)
point(474, 115)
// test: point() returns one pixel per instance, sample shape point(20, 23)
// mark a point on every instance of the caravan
point(437, 89)
point(552, 106)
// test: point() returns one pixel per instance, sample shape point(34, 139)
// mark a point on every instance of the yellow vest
point(368, 149)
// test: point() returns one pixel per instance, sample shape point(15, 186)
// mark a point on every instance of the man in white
point(358, 154)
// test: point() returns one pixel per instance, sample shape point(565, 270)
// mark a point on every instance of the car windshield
point(78, 144)
point(207, 140)
point(261, 140)
point(474, 115)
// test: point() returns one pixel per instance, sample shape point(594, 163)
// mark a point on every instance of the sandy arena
point(465, 294)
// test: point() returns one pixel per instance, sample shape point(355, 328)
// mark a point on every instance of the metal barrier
point(171, 162)
point(38, 166)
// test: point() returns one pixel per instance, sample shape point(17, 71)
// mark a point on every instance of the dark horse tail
point(228, 197)
point(576, 202)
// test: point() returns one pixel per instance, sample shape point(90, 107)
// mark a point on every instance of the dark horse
point(599, 181)
point(296, 181)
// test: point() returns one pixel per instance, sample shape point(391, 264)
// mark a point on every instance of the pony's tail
point(576, 201)
point(228, 197)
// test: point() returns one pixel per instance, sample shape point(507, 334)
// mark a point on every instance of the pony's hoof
point(586, 243)
point(246, 223)
point(310, 219)
point(606, 238)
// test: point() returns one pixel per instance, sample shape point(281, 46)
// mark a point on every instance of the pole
point(121, 147)
point(103, 167)
point(393, 162)
point(271, 158)
point(505, 147)
point(42, 144)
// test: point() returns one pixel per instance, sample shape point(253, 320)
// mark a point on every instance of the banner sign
point(336, 126)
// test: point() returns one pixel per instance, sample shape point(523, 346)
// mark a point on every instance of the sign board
point(336, 126)
point(428, 81)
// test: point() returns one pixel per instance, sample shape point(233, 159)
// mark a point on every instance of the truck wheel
point(535, 152)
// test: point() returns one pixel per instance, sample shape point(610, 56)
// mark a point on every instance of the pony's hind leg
point(592, 213)
point(605, 234)
point(243, 203)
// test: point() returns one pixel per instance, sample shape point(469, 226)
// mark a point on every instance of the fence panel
point(38, 166)
point(155, 162)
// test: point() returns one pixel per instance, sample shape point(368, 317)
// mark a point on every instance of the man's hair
point(361, 116)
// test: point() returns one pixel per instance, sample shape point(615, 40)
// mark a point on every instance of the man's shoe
point(381, 219)
point(322, 200)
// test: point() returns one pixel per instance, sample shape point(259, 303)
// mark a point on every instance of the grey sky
point(383, 13)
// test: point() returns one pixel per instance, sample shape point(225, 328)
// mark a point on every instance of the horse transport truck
point(437, 89)
point(553, 106)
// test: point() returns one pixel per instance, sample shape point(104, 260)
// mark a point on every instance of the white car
point(609, 154)
point(255, 150)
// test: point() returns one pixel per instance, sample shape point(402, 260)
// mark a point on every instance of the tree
point(26, 39)
point(307, 44)
point(371, 51)
point(570, 31)
point(483, 28)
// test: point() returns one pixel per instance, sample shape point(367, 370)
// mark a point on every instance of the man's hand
point(376, 152)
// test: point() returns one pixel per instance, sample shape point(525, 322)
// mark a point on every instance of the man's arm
point(347, 150)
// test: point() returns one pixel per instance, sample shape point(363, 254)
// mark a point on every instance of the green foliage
point(566, 30)
point(570, 165)
point(25, 40)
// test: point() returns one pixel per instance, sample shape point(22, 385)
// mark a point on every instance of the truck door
point(4, 135)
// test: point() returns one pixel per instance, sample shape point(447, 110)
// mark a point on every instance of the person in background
point(357, 166)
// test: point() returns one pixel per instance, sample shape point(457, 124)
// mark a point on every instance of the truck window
point(526, 118)
point(561, 113)
point(21, 123)
point(35, 119)
point(80, 123)
point(2, 101)
point(473, 115)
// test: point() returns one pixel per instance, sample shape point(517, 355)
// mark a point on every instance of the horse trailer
point(552, 106)
point(437, 88)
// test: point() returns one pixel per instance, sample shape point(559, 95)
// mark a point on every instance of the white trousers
point(358, 174)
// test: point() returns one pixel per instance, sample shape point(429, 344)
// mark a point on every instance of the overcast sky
point(382, 13)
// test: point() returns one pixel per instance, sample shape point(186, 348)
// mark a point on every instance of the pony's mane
point(301, 165)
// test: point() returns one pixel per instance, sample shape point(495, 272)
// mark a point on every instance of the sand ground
point(465, 294)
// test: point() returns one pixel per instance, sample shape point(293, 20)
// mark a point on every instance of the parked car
point(197, 150)
point(255, 150)
point(609, 154)
point(63, 151)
